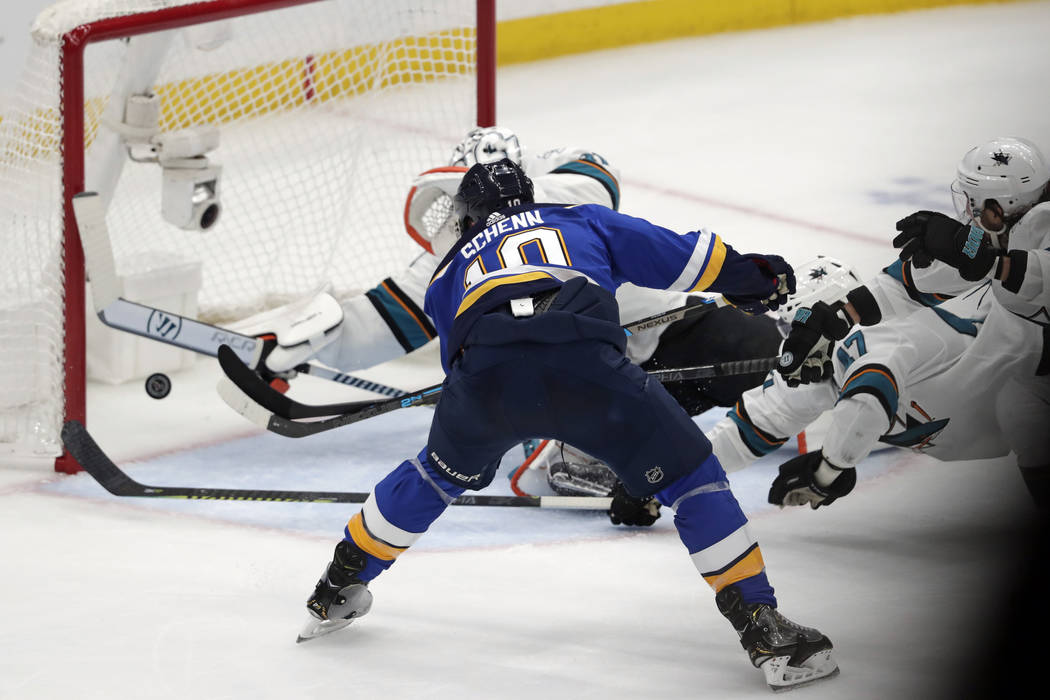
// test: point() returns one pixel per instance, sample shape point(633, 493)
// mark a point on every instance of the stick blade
point(89, 455)
point(256, 389)
point(240, 402)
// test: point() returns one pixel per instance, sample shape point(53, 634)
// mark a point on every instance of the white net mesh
point(326, 111)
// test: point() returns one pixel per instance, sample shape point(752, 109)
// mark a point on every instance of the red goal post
point(324, 111)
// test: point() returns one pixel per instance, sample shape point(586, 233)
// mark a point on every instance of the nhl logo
point(654, 475)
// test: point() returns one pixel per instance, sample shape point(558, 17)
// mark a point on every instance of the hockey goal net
point(324, 110)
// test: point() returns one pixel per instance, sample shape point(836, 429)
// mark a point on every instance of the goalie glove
point(628, 510)
point(811, 480)
point(292, 334)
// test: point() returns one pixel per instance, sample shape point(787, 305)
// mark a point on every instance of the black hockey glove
point(628, 510)
point(926, 236)
point(780, 274)
point(797, 486)
point(805, 355)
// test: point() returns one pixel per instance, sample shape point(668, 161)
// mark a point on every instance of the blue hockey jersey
point(536, 247)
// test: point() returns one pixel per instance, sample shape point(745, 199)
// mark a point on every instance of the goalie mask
point(998, 182)
point(487, 145)
point(488, 188)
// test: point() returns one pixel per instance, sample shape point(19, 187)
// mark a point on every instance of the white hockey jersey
point(912, 382)
point(899, 383)
point(1031, 299)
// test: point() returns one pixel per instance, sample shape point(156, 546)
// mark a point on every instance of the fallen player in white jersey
point(892, 384)
point(1003, 194)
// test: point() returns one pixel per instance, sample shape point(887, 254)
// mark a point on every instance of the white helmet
point(1011, 172)
point(487, 145)
point(824, 279)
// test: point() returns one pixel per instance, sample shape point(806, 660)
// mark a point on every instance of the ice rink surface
point(798, 141)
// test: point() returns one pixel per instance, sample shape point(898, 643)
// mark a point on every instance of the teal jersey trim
point(917, 435)
point(966, 326)
point(759, 442)
point(593, 170)
point(901, 272)
point(406, 321)
point(876, 380)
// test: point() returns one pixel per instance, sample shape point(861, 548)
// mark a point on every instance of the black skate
point(789, 654)
point(340, 597)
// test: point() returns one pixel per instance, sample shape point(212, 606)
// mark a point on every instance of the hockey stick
point(248, 394)
point(682, 312)
point(245, 384)
point(206, 339)
point(96, 463)
point(719, 369)
point(164, 326)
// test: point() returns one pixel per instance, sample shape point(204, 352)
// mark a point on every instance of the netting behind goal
point(325, 110)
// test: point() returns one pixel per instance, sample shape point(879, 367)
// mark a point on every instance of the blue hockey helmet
point(488, 187)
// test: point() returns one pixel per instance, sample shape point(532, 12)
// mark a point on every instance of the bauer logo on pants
point(164, 326)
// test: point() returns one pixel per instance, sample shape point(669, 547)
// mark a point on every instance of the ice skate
point(789, 654)
point(340, 597)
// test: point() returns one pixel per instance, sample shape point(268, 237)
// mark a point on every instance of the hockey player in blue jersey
point(532, 348)
point(382, 323)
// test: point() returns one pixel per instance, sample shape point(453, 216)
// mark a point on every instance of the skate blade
point(781, 677)
point(315, 628)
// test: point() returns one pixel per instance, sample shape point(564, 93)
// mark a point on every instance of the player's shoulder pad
point(578, 161)
point(1033, 230)
point(903, 273)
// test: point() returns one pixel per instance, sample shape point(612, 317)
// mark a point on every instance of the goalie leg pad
point(554, 467)
point(578, 474)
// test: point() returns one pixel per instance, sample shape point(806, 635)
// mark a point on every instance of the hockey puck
point(158, 385)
